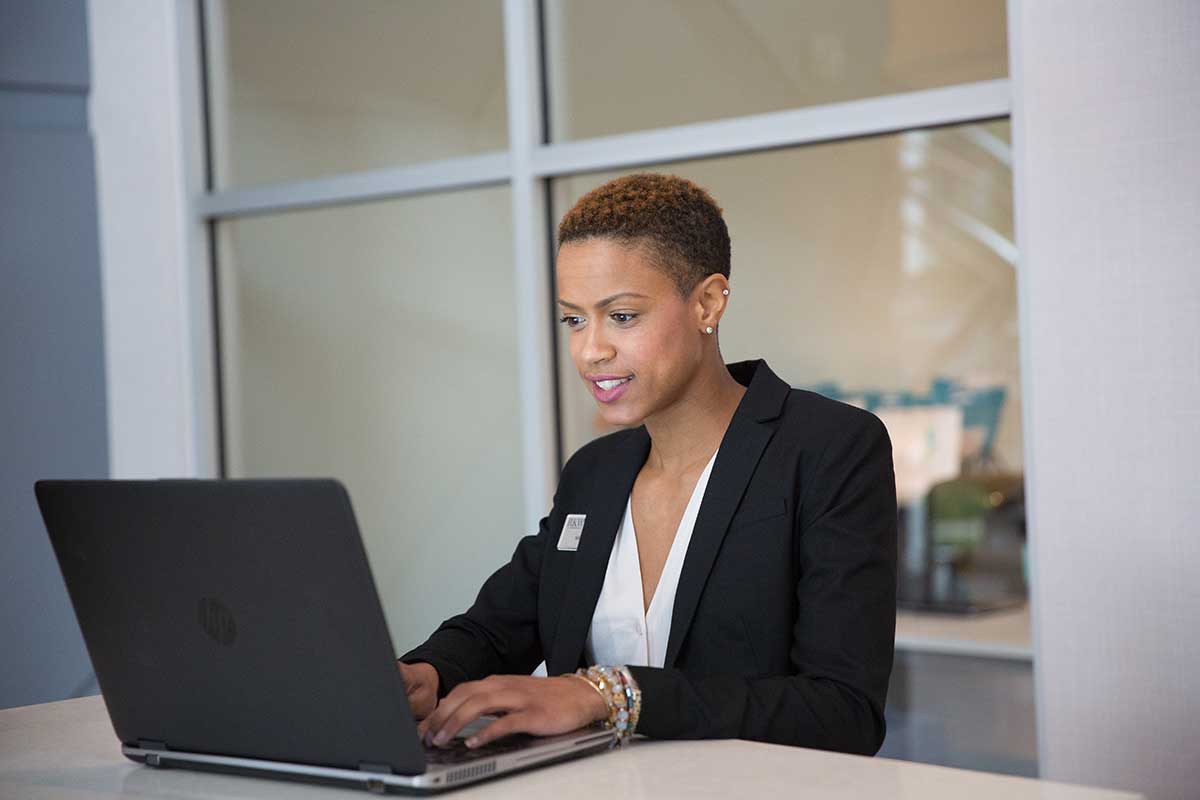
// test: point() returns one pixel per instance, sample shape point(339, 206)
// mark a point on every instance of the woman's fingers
point(422, 703)
point(424, 711)
point(509, 723)
point(463, 692)
point(420, 690)
point(447, 706)
point(472, 710)
point(541, 706)
point(486, 701)
point(418, 677)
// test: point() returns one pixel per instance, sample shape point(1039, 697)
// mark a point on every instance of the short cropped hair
point(676, 222)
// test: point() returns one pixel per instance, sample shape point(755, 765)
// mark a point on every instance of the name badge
point(572, 532)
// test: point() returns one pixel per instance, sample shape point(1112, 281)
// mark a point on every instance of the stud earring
point(708, 329)
point(725, 292)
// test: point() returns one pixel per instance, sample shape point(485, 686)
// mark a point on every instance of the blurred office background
point(319, 242)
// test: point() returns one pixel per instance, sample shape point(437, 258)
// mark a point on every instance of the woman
point(729, 563)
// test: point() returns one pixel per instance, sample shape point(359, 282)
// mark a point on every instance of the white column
point(530, 260)
point(145, 117)
point(1106, 114)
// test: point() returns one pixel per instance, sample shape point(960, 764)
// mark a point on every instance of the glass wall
point(871, 266)
point(625, 65)
point(308, 88)
point(375, 344)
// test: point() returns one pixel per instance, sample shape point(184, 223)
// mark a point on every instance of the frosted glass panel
point(377, 344)
point(877, 267)
point(305, 88)
point(622, 65)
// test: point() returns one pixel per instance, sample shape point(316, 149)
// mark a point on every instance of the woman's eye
point(570, 321)
point(623, 317)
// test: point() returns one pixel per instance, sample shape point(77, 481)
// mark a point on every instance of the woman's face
point(634, 340)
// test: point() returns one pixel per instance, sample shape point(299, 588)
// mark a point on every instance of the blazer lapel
point(605, 510)
point(740, 451)
point(739, 454)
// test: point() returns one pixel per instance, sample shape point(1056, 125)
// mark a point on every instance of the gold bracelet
point(589, 683)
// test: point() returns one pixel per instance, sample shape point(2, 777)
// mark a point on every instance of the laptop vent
point(470, 773)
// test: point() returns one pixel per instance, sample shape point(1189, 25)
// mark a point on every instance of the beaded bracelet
point(621, 694)
point(633, 698)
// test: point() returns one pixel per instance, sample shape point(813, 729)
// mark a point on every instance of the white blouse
point(621, 633)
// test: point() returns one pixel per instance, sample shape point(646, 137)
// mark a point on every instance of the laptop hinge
point(375, 785)
point(364, 766)
point(152, 759)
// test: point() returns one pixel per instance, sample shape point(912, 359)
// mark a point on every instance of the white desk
point(67, 751)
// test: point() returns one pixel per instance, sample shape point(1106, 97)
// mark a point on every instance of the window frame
point(527, 167)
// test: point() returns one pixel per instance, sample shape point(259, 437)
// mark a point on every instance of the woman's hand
point(541, 706)
point(421, 683)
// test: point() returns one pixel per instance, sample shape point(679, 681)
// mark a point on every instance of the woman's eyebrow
point(606, 301)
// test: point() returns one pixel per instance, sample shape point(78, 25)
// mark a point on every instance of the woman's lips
point(611, 394)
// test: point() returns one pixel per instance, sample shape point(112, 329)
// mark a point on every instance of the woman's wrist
point(621, 695)
point(597, 704)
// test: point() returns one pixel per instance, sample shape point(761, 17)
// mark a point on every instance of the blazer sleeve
point(499, 632)
point(844, 634)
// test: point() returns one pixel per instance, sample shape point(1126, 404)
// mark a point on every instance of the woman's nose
point(596, 347)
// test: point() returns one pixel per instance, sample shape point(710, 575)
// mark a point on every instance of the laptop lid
point(234, 617)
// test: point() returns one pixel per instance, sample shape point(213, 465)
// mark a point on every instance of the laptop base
point(438, 778)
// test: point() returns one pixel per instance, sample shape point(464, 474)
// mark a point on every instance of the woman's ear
point(711, 297)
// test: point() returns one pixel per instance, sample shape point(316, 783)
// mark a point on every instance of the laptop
point(234, 626)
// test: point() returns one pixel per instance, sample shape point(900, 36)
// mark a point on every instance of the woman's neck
point(685, 435)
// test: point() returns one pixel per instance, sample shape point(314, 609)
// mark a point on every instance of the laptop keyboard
point(457, 752)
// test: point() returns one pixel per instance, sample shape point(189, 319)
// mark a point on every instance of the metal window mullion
point(1020, 175)
point(467, 172)
point(203, 445)
point(530, 259)
point(921, 109)
point(877, 115)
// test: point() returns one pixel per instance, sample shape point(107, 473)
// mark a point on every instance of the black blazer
point(784, 620)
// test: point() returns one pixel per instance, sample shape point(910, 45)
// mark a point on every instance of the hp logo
point(217, 621)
